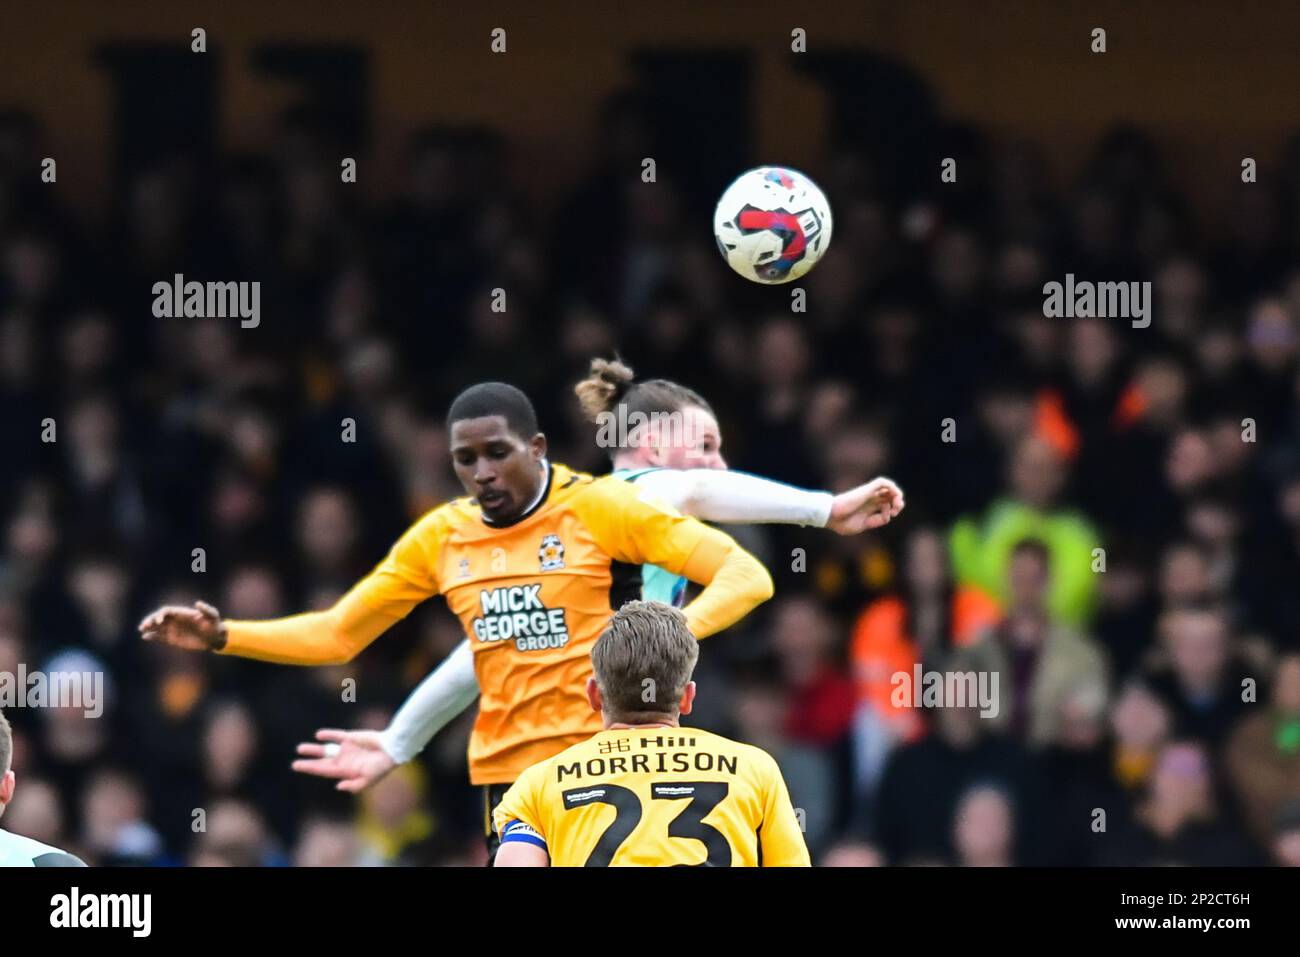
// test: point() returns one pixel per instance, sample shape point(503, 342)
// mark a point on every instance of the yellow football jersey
point(655, 797)
point(533, 596)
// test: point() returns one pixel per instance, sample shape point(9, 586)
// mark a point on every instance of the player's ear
point(537, 446)
point(649, 438)
point(593, 695)
point(7, 787)
point(688, 699)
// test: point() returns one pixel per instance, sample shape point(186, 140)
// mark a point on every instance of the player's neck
point(630, 461)
point(623, 726)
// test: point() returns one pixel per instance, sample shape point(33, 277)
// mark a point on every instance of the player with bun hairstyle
point(665, 438)
point(610, 393)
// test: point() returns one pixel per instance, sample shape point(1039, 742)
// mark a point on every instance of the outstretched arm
point(446, 692)
point(735, 582)
point(720, 495)
point(357, 759)
point(644, 529)
point(335, 636)
point(328, 637)
point(331, 637)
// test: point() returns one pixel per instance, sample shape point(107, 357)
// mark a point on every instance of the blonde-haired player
point(645, 791)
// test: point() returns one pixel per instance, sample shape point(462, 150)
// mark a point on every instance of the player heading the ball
point(533, 561)
point(666, 442)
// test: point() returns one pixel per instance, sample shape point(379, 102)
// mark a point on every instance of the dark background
point(521, 171)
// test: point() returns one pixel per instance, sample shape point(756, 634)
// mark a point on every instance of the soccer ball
point(772, 224)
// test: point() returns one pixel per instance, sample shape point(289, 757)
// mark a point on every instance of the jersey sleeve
point(780, 838)
point(57, 859)
point(447, 691)
point(516, 818)
point(722, 495)
point(401, 581)
point(643, 530)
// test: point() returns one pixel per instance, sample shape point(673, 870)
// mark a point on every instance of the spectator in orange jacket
point(922, 624)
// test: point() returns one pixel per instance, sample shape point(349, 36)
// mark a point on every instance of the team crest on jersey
point(551, 554)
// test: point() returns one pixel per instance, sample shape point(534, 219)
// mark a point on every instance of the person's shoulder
point(632, 475)
point(573, 481)
point(618, 492)
point(1066, 639)
point(57, 858)
point(882, 619)
point(16, 850)
point(531, 778)
point(973, 611)
point(569, 485)
point(583, 490)
point(1007, 515)
point(1254, 732)
point(441, 518)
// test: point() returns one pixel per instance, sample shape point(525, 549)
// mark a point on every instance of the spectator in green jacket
point(982, 546)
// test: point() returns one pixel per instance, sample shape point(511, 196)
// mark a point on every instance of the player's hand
point(355, 758)
point(865, 507)
point(194, 629)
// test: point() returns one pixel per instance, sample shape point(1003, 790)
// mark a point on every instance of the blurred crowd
point(1108, 517)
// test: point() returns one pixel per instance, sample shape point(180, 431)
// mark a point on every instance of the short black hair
point(495, 398)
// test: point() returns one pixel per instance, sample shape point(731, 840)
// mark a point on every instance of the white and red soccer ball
point(772, 224)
